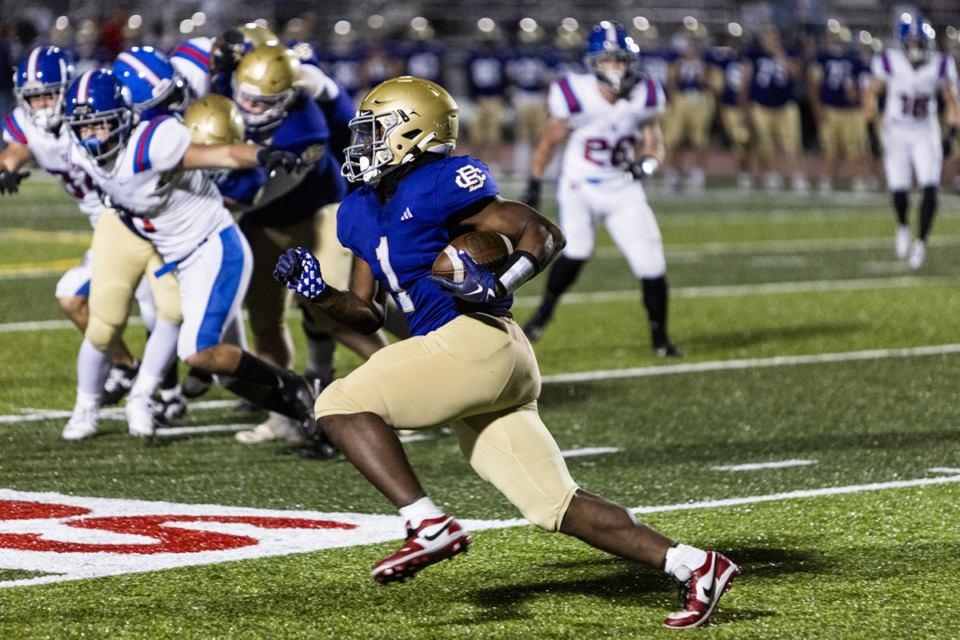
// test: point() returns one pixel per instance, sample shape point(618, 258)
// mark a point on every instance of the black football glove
point(875, 147)
point(531, 197)
point(643, 169)
point(227, 55)
point(271, 159)
point(10, 180)
point(949, 140)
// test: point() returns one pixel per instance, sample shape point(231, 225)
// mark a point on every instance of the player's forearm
point(15, 156)
point(349, 309)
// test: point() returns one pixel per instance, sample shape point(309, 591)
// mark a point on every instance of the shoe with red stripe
point(434, 540)
point(701, 592)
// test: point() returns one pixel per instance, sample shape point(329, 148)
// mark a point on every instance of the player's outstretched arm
point(361, 308)
point(238, 156)
point(12, 158)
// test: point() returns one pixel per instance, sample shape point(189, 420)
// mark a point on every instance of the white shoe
point(918, 251)
point(696, 181)
point(772, 181)
point(800, 183)
point(744, 181)
point(82, 424)
point(859, 185)
point(825, 187)
point(277, 427)
point(901, 240)
point(140, 418)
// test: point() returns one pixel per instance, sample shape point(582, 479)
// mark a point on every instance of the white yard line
point(753, 466)
point(726, 365)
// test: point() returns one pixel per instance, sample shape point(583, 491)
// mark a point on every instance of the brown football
point(488, 248)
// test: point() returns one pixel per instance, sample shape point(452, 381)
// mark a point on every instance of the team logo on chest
point(470, 177)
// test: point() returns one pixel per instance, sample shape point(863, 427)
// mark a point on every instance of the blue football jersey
point(841, 72)
point(303, 131)
point(401, 239)
point(770, 84)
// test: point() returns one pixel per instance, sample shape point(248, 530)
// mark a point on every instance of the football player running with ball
point(467, 363)
point(608, 119)
point(912, 75)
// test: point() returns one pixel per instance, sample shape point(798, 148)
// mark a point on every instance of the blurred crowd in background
point(500, 69)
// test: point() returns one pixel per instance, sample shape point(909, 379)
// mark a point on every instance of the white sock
point(169, 395)
point(92, 368)
point(144, 384)
point(682, 560)
point(88, 401)
point(419, 510)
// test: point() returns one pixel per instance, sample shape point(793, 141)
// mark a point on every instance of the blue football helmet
point(46, 71)
point(99, 98)
point(156, 88)
point(609, 42)
point(916, 36)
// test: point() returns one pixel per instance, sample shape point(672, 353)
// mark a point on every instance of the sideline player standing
point(609, 122)
point(468, 362)
point(912, 75)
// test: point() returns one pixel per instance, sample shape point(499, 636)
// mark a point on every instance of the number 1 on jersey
point(383, 256)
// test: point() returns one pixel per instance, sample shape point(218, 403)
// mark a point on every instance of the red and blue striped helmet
point(156, 87)
point(47, 70)
point(609, 42)
point(916, 36)
point(100, 98)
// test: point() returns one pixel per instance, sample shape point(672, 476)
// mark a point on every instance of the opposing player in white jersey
point(34, 132)
point(608, 119)
point(912, 75)
point(150, 173)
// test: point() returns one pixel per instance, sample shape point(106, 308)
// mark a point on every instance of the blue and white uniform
point(911, 131)
point(591, 187)
point(182, 214)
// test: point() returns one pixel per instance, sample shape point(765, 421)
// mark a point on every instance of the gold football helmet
point(263, 85)
point(397, 121)
point(254, 34)
point(214, 119)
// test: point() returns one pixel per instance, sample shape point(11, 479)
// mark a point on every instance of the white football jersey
point(52, 153)
point(176, 210)
point(912, 92)
point(604, 134)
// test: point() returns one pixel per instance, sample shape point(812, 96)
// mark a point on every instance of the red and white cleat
point(701, 592)
point(434, 540)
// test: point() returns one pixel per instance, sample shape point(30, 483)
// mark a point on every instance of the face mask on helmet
point(264, 85)
point(100, 114)
point(40, 84)
point(613, 57)
point(397, 121)
point(917, 38)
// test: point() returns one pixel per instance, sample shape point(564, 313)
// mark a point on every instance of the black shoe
point(666, 350)
point(320, 449)
point(119, 381)
point(299, 397)
point(534, 327)
point(196, 383)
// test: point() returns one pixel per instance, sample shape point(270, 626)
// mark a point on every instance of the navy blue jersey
point(240, 185)
point(486, 73)
point(841, 74)
point(401, 239)
point(727, 60)
point(303, 131)
point(770, 83)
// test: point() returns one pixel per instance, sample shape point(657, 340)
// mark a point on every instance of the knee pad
point(101, 333)
point(336, 400)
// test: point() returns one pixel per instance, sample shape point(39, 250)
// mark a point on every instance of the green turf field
point(810, 433)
